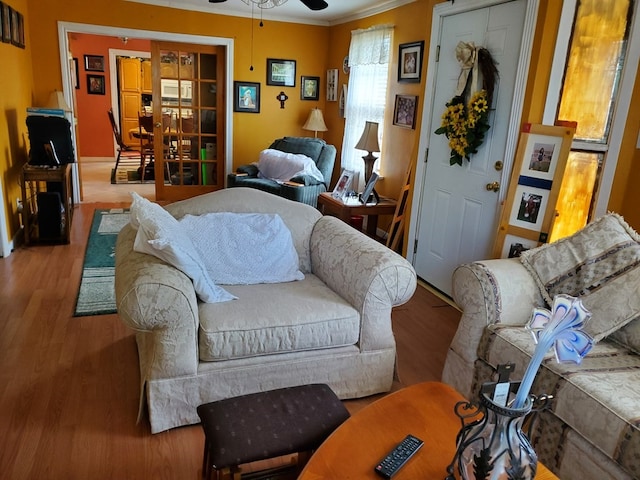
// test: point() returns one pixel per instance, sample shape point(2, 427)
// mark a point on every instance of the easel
point(396, 228)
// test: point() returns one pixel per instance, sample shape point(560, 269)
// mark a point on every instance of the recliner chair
point(302, 188)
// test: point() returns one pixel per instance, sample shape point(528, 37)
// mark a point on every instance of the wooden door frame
point(439, 12)
point(66, 28)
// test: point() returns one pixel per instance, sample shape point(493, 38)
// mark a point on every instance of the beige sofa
point(332, 327)
point(592, 430)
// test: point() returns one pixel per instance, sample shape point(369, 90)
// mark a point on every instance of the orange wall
point(94, 130)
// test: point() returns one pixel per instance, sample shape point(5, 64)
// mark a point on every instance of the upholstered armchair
point(301, 188)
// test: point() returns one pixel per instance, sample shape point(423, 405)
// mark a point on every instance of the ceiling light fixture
point(265, 3)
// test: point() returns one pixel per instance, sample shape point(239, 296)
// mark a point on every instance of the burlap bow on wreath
point(465, 122)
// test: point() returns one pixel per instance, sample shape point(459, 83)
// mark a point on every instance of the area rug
point(96, 295)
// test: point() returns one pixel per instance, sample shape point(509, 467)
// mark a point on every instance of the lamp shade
point(56, 100)
point(315, 122)
point(369, 139)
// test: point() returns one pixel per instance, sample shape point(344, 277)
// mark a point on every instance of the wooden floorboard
point(69, 385)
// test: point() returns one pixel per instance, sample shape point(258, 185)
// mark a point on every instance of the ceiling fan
point(311, 4)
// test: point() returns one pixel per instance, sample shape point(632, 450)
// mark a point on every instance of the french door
point(189, 119)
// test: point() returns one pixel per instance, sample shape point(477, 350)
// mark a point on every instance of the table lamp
point(315, 122)
point(369, 142)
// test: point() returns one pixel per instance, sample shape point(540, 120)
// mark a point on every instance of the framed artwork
point(246, 97)
point(309, 88)
point(404, 113)
point(281, 72)
point(410, 61)
point(15, 28)
point(95, 84)
point(332, 85)
point(75, 75)
point(343, 185)
point(94, 63)
point(530, 204)
point(6, 22)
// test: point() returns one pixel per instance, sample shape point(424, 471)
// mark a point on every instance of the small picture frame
point(368, 190)
point(410, 61)
point(281, 73)
point(15, 27)
point(309, 88)
point(6, 22)
point(332, 85)
point(404, 113)
point(94, 63)
point(75, 75)
point(246, 97)
point(95, 84)
point(343, 185)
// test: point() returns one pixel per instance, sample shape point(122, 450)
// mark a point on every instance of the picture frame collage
point(410, 58)
point(529, 211)
point(95, 82)
point(12, 23)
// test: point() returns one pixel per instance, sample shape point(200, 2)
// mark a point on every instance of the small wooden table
point(345, 210)
point(424, 410)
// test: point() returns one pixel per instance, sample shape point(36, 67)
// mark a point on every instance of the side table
point(344, 210)
point(33, 180)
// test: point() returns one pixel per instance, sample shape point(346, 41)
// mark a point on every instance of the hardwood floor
point(69, 385)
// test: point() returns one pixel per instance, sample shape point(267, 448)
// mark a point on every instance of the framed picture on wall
point(404, 114)
point(75, 73)
point(281, 72)
point(94, 63)
point(246, 97)
point(95, 84)
point(410, 61)
point(6, 22)
point(309, 88)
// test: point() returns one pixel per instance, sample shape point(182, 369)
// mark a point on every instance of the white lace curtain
point(366, 93)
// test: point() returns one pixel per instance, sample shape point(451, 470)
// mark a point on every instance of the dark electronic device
point(50, 139)
point(400, 455)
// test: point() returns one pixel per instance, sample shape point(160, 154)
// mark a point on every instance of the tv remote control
point(394, 461)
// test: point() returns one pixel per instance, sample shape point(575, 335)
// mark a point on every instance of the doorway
point(66, 28)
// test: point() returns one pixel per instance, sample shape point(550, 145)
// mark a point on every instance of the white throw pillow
point(244, 248)
point(160, 234)
point(282, 166)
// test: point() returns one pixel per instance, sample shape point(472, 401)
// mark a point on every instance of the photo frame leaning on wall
point(530, 205)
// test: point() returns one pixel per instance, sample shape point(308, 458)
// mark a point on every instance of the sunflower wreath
point(465, 123)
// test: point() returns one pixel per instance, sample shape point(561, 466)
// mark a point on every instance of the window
point(588, 96)
point(367, 92)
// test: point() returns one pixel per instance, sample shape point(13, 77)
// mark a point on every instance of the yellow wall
point(16, 87)
point(316, 49)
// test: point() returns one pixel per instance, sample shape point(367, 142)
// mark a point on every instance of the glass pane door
point(189, 119)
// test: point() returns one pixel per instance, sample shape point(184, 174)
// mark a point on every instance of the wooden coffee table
point(424, 410)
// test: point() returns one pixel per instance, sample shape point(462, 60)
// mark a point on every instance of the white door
point(456, 216)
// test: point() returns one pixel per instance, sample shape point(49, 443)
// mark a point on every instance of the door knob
point(493, 186)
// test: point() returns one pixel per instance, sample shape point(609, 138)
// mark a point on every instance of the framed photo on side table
point(246, 97)
point(369, 189)
point(343, 185)
point(281, 72)
point(410, 61)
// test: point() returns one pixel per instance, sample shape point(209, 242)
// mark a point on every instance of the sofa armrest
point(159, 303)
point(370, 276)
point(491, 292)
point(306, 180)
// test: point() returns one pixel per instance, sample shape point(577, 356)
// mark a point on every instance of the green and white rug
point(97, 286)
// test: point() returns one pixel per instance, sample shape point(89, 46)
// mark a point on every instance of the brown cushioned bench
point(267, 424)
